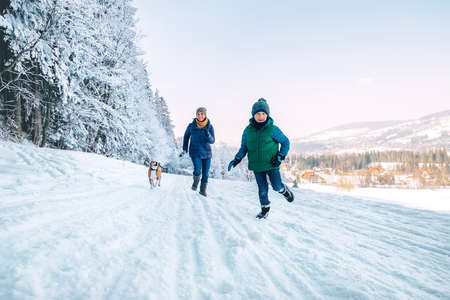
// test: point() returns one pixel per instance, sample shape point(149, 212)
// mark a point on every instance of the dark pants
point(263, 186)
point(201, 166)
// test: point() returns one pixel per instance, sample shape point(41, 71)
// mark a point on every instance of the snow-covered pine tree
point(71, 78)
point(162, 111)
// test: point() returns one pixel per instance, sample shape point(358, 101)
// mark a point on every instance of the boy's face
point(201, 116)
point(260, 117)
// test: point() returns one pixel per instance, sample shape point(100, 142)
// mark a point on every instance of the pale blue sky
point(318, 63)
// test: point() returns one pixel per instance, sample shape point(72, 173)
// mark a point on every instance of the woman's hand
point(206, 134)
point(206, 131)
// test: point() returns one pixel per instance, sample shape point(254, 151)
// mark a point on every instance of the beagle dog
point(154, 174)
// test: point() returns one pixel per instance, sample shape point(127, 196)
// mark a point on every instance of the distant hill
point(430, 131)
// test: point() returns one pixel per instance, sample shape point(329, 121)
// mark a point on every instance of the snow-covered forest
point(71, 78)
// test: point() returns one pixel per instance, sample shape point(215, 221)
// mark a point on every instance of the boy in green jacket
point(261, 140)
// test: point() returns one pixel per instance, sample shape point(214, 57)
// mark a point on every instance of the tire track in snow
point(256, 245)
point(185, 282)
point(218, 271)
point(152, 243)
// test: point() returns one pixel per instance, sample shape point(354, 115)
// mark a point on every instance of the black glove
point(182, 153)
point(277, 159)
point(233, 163)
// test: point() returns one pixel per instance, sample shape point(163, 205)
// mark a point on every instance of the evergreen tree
point(71, 78)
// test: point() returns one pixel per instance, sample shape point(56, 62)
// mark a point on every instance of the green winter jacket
point(261, 145)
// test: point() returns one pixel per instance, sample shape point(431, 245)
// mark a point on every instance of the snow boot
point(264, 212)
point(203, 188)
point(195, 183)
point(288, 194)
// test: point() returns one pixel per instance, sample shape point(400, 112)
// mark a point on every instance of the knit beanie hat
point(201, 109)
point(260, 105)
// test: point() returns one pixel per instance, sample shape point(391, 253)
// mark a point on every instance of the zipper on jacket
point(258, 135)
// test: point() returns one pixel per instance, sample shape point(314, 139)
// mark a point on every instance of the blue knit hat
point(260, 105)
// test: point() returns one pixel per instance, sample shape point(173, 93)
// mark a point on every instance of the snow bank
point(435, 199)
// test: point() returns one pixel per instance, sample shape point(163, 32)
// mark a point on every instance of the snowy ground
point(81, 226)
point(431, 199)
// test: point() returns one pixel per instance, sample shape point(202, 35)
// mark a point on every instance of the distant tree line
point(408, 161)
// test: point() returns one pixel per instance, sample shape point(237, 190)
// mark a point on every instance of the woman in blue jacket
point(201, 135)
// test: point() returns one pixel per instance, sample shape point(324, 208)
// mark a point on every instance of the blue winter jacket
point(201, 140)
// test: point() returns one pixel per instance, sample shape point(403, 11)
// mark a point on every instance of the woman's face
point(201, 116)
point(260, 117)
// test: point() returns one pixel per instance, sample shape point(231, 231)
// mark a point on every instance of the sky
point(319, 64)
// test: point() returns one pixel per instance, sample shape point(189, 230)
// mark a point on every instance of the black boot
point(264, 212)
point(288, 194)
point(195, 183)
point(203, 188)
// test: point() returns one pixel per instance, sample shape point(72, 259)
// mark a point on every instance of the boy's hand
point(233, 164)
point(277, 159)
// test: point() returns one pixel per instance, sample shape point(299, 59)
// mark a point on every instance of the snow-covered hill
point(82, 226)
point(428, 132)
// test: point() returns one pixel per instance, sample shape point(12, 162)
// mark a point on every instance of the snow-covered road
point(82, 226)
